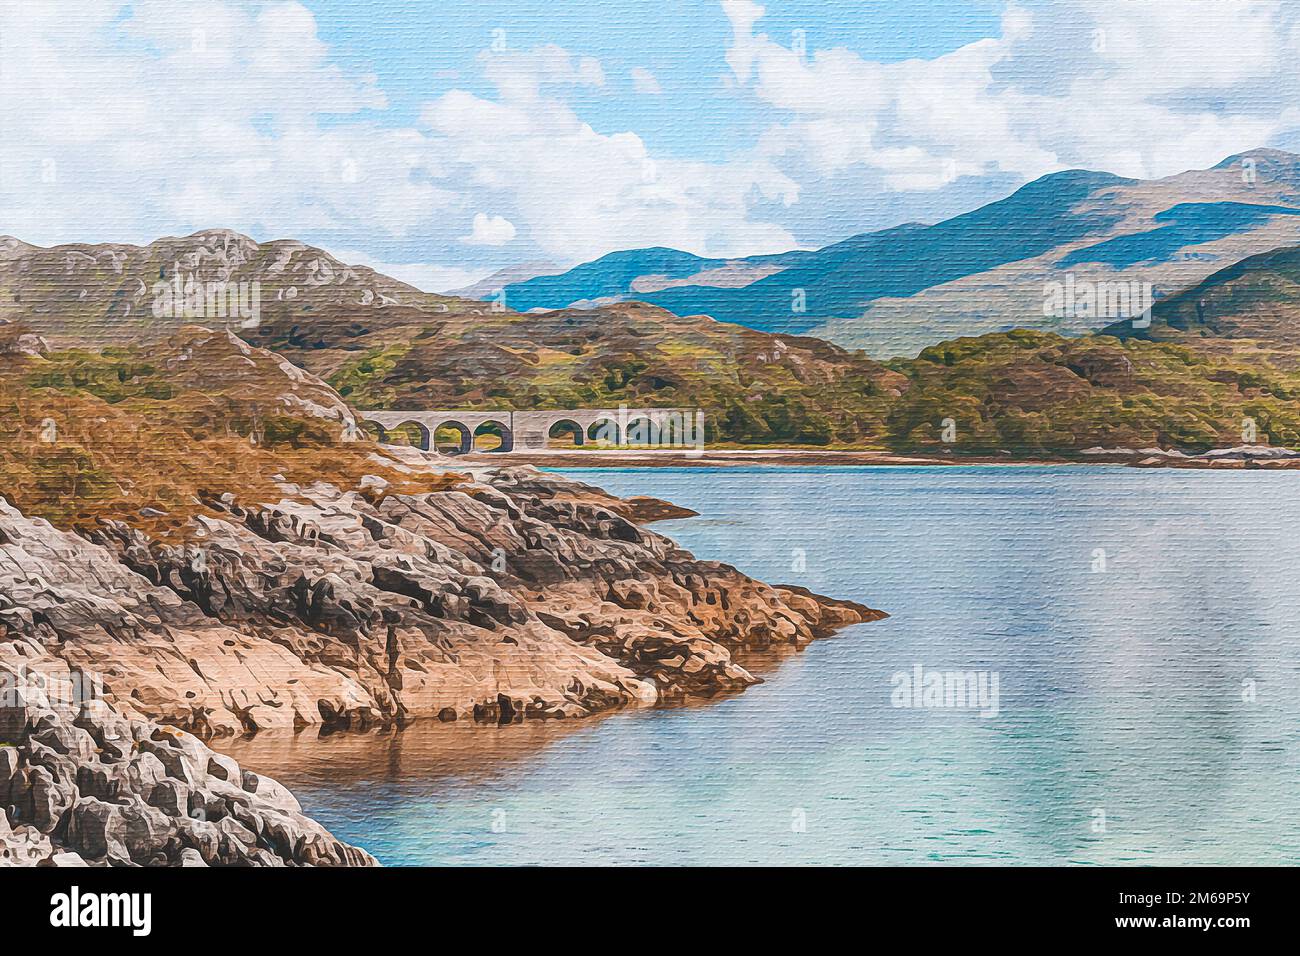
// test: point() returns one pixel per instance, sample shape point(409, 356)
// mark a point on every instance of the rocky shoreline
point(510, 595)
point(81, 785)
point(1239, 457)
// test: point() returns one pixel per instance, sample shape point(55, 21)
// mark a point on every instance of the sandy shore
point(722, 457)
point(735, 457)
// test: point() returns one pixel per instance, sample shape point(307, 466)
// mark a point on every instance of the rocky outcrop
point(509, 595)
point(641, 509)
point(17, 339)
point(219, 362)
point(80, 784)
point(1241, 456)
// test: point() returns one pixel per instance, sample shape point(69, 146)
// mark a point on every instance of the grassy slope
point(1256, 298)
point(131, 434)
point(1038, 394)
point(753, 386)
point(1030, 394)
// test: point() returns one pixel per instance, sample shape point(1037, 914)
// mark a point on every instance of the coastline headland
point(510, 595)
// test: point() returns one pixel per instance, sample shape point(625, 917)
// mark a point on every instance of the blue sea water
point(1143, 625)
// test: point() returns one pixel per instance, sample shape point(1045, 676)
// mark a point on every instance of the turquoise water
point(1148, 708)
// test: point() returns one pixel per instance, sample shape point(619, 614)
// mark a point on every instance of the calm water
point(1125, 731)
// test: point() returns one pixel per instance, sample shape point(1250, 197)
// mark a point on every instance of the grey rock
point(80, 807)
point(148, 833)
point(46, 800)
point(97, 829)
point(170, 796)
point(17, 710)
point(64, 738)
point(8, 770)
point(144, 772)
point(223, 768)
point(271, 792)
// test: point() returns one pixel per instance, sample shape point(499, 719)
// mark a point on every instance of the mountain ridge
point(1256, 298)
point(894, 291)
point(109, 293)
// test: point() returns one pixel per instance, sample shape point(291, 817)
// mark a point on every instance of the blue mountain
point(895, 290)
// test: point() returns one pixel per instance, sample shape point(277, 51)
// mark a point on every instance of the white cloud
point(523, 75)
point(425, 277)
point(577, 194)
point(193, 121)
point(1140, 88)
point(130, 120)
point(490, 231)
point(124, 121)
point(645, 82)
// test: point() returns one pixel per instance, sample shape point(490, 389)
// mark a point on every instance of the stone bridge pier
point(531, 430)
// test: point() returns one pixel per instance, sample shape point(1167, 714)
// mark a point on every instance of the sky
point(440, 141)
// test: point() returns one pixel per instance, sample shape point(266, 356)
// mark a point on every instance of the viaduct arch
point(530, 430)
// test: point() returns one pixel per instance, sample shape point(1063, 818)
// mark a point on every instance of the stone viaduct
point(532, 430)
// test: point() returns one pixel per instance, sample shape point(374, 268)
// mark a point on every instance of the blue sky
point(681, 43)
point(440, 141)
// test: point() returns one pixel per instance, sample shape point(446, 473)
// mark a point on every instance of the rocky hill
point(115, 293)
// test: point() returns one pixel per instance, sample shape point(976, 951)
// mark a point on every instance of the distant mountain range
point(493, 284)
point(895, 291)
point(1220, 351)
